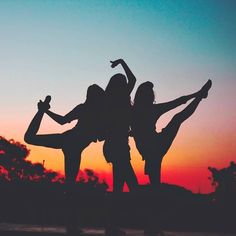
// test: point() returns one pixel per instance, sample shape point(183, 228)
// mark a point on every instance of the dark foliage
point(224, 179)
point(15, 168)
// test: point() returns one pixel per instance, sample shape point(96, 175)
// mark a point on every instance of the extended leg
point(166, 137)
point(170, 131)
point(180, 117)
point(31, 136)
point(190, 109)
point(33, 127)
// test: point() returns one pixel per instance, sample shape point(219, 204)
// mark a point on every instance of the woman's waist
point(78, 133)
point(143, 133)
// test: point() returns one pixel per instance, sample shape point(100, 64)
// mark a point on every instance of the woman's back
point(143, 121)
point(118, 108)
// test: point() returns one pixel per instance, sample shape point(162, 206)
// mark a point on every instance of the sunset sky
point(62, 47)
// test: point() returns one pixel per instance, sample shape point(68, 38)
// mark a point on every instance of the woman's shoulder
point(79, 109)
point(80, 106)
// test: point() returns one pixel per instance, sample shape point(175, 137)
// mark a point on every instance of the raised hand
point(116, 62)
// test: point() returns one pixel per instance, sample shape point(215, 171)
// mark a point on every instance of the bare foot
point(204, 90)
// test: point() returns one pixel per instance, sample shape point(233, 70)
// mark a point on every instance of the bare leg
point(155, 178)
point(154, 203)
point(167, 137)
point(114, 204)
point(72, 163)
point(33, 127)
point(123, 172)
point(31, 137)
point(118, 177)
point(203, 92)
point(180, 117)
point(130, 177)
point(154, 222)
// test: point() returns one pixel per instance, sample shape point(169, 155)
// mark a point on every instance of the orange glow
point(195, 148)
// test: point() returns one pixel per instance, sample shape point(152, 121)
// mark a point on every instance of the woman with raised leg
point(153, 145)
point(73, 141)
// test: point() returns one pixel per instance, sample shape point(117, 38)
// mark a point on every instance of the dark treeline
point(32, 194)
point(15, 168)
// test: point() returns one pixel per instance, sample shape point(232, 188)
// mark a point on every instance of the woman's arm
point(130, 76)
point(167, 106)
point(72, 115)
point(56, 117)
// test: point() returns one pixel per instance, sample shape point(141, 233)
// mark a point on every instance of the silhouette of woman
point(75, 140)
point(116, 148)
point(153, 145)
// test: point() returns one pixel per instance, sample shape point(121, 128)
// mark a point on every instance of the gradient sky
point(61, 47)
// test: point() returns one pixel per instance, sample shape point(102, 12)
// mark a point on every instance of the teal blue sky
point(61, 47)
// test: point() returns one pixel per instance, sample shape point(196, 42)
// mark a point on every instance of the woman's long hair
point(95, 95)
point(116, 91)
point(96, 111)
point(144, 95)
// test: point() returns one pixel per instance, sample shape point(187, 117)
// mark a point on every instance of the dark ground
point(25, 206)
point(37, 230)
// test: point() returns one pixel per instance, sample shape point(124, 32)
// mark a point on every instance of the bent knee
point(28, 138)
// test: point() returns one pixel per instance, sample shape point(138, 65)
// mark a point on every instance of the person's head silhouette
point(144, 95)
point(94, 95)
point(117, 85)
point(117, 91)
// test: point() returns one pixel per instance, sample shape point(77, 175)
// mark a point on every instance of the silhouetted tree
point(224, 180)
point(90, 178)
point(14, 167)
